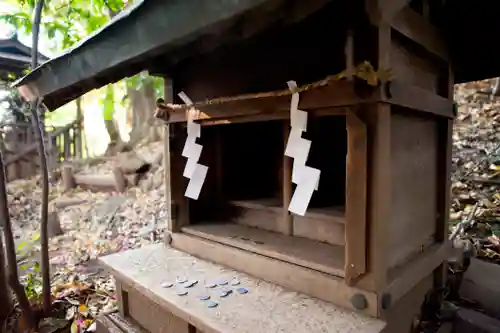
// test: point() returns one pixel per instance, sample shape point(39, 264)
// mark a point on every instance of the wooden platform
point(301, 251)
point(266, 308)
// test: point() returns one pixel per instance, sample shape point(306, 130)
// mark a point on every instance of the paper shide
point(195, 172)
point(306, 178)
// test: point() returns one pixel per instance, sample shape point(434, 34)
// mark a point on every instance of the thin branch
point(37, 125)
point(10, 248)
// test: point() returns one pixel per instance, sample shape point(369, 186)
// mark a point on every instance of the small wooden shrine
point(308, 144)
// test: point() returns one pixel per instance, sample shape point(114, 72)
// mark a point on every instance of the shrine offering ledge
point(265, 308)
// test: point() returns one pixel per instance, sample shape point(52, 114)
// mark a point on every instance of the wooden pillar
point(67, 145)
point(120, 180)
point(444, 158)
point(175, 181)
point(286, 223)
point(68, 180)
point(377, 118)
point(78, 129)
point(356, 185)
point(168, 97)
point(380, 187)
point(123, 306)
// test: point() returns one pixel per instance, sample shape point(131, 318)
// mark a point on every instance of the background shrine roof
point(15, 57)
point(134, 40)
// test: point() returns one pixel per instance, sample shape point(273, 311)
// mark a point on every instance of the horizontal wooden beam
point(419, 99)
point(412, 25)
point(330, 100)
point(263, 116)
point(336, 94)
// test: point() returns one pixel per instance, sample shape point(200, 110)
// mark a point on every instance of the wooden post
point(169, 98)
point(68, 179)
point(178, 183)
point(12, 171)
point(121, 181)
point(123, 307)
point(67, 145)
point(175, 181)
point(356, 185)
point(286, 223)
point(445, 140)
point(78, 129)
point(377, 118)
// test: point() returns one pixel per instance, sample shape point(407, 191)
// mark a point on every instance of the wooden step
point(322, 224)
point(265, 308)
point(297, 250)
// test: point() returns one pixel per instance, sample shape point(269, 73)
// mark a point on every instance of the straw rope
point(364, 71)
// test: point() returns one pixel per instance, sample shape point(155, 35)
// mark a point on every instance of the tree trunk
point(115, 139)
point(5, 295)
point(149, 105)
point(10, 249)
point(137, 116)
point(114, 136)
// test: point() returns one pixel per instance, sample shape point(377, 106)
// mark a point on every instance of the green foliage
point(66, 22)
point(108, 103)
point(32, 282)
point(18, 20)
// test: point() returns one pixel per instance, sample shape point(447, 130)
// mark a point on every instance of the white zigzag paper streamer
point(193, 170)
point(306, 178)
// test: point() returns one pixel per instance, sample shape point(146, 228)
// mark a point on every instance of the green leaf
point(109, 103)
point(36, 267)
point(21, 246)
point(24, 267)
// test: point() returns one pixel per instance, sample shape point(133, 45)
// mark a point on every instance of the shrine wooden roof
point(15, 57)
point(136, 38)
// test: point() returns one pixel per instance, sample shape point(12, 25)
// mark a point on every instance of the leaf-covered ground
point(476, 168)
point(93, 224)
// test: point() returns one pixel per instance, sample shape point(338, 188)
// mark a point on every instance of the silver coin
point(212, 304)
point(166, 284)
point(225, 293)
point(191, 283)
point(242, 290)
